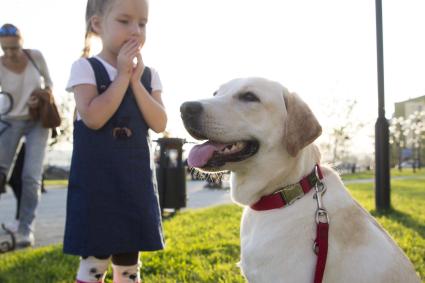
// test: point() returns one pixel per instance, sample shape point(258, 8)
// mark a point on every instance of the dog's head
point(247, 121)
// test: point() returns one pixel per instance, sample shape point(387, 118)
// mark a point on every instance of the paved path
point(50, 221)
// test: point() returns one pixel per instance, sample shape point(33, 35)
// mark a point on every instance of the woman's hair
point(94, 7)
point(9, 30)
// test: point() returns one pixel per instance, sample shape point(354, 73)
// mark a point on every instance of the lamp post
point(382, 153)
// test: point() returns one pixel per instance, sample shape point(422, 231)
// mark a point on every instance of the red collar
point(289, 194)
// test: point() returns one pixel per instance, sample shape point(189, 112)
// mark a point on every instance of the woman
point(20, 77)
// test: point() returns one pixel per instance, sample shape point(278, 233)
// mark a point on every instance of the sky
point(323, 50)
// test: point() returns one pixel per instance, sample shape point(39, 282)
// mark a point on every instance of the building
point(408, 107)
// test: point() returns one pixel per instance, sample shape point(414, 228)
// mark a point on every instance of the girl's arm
point(96, 110)
point(150, 106)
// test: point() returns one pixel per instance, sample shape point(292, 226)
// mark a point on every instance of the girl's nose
point(136, 29)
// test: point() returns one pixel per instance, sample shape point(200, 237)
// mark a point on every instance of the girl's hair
point(94, 7)
point(9, 30)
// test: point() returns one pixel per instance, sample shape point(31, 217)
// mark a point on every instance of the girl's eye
point(123, 21)
point(142, 25)
point(248, 97)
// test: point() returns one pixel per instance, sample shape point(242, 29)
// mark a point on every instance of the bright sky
point(323, 50)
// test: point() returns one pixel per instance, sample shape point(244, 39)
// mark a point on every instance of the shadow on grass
point(402, 218)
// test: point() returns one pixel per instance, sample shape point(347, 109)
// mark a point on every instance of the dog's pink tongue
point(200, 154)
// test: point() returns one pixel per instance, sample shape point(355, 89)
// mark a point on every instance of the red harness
point(289, 194)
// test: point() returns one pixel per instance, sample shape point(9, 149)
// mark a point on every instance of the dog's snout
point(191, 108)
point(191, 112)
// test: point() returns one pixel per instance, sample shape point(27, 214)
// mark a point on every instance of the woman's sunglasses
point(9, 31)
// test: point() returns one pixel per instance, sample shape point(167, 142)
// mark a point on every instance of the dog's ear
point(301, 126)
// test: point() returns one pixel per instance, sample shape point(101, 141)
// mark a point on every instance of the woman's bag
point(42, 106)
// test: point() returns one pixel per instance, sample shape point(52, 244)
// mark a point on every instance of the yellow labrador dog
point(263, 133)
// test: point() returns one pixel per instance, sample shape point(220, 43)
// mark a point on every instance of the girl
point(112, 206)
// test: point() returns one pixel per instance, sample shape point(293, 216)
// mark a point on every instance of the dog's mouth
point(210, 154)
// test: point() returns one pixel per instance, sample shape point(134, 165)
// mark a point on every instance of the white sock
point(92, 269)
point(126, 274)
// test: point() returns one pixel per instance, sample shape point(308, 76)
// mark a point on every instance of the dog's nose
point(191, 108)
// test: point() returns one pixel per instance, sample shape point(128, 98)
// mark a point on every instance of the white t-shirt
point(83, 73)
point(20, 86)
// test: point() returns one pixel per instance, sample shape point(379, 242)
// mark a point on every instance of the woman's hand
point(137, 69)
point(126, 55)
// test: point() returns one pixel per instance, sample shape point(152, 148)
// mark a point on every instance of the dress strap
point(101, 75)
point(147, 79)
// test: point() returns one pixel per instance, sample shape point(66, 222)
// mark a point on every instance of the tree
point(398, 131)
point(66, 110)
point(416, 134)
point(345, 127)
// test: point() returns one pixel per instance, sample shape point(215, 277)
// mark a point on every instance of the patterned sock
point(92, 270)
point(126, 274)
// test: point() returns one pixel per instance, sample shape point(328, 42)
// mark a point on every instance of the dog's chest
point(274, 243)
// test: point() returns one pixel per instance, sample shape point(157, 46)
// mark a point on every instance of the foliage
point(408, 133)
point(343, 127)
point(66, 109)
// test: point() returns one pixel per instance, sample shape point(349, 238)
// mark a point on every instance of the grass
point(203, 244)
point(406, 221)
point(406, 172)
point(56, 183)
point(360, 175)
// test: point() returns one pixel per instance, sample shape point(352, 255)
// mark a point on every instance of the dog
point(264, 135)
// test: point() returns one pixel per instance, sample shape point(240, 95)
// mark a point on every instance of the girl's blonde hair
point(94, 7)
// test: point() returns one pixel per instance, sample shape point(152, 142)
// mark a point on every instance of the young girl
point(112, 208)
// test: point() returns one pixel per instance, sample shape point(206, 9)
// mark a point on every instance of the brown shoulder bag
point(42, 104)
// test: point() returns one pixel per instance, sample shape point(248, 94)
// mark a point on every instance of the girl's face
point(11, 46)
point(124, 20)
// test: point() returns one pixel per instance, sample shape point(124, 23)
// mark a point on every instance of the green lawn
point(203, 245)
point(393, 173)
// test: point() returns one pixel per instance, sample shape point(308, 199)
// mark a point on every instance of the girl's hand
point(126, 55)
point(138, 69)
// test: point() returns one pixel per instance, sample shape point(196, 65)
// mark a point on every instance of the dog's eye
point(249, 97)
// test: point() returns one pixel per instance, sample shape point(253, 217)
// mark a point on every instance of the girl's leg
point(92, 269)
point(126, 268)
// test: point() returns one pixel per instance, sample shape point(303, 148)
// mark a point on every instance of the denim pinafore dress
point(112, 204)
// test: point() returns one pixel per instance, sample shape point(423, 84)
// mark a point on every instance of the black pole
point(382, 153)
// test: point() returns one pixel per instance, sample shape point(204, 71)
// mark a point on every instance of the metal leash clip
point(321, 212)
point(322, 215)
